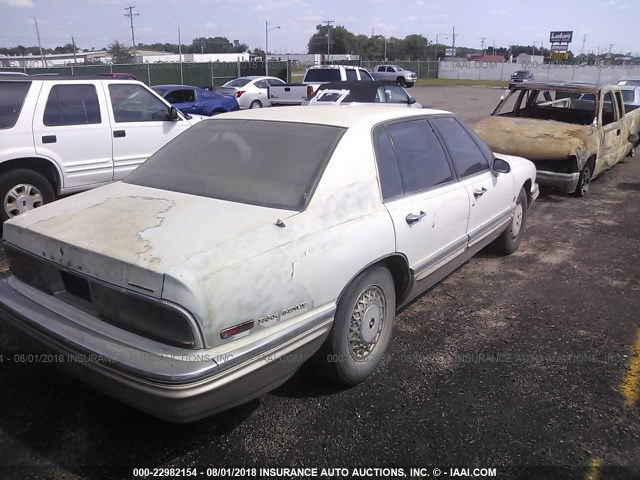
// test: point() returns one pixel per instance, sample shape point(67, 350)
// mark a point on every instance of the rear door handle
point(478, 192)
point(413, 218)
point(618, 132)
point(119, 133)
point(49, 139)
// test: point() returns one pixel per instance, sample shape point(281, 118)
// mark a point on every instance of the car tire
point(255, 104)
point(400, 81)
point(361, 330)
point(584, 181)
point(509, 240)
point(408, 85)
point(23, 190)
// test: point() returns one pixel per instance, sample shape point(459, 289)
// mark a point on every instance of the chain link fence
point(212, 74)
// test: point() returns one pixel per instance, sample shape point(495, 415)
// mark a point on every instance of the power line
point(133, 35)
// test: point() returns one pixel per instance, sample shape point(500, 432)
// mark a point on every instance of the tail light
point(309, 91)
point(239, 93)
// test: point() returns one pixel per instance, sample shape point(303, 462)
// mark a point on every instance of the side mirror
point(173, 113)
point(411, 101)
point(633, 138)
point(501, 166)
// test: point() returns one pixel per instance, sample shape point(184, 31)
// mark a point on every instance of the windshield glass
point(238, 82)
point(323, 75)
point(259, 162)
point(520, 73)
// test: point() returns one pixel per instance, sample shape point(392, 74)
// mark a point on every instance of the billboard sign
point(559, 48)
point(450, 52)
point(559, 55)
point(561, 37)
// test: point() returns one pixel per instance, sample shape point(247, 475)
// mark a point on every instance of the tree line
point(335, 40)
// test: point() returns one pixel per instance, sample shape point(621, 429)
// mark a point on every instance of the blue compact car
point(196, 100)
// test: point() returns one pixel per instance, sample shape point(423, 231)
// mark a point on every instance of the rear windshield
point(238, 82)
point(323, 75)
point(12, 95)
point(266, 163)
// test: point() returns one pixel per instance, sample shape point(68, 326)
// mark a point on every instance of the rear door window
point(12, 95)
point(72, 105)
point(421, 159)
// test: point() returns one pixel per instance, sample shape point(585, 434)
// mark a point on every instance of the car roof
point(338, 117)
point(360, 90)
point(48, 77)
point(173, 85)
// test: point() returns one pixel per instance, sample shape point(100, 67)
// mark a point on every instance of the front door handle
point(413, 218)
point(49, 139)
point(478, 192)
point(618, 132)
point(119, 133)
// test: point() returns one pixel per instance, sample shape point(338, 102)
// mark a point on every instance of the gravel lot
point(526, 360)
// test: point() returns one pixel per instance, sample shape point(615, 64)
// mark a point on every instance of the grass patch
point(443, 82)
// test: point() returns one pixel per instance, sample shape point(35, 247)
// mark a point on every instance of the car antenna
point(280, 223)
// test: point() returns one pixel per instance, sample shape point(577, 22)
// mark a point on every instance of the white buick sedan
point(253, 242)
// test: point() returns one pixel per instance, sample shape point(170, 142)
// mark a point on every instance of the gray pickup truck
point(572, 132)
point(395, 73)
point(296, 93)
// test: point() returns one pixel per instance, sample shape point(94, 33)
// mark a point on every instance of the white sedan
point(250, 92)
point(254, 242)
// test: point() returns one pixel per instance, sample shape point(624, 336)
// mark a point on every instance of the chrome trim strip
point(422, 269)
point(497, 223)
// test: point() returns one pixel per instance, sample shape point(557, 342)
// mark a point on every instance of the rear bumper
point(179, 386)
point(565, 182)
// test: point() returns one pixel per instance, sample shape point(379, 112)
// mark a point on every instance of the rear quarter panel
point(344, 229)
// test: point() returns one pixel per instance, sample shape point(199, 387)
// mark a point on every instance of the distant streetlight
point(266, 45)
point(440, 35)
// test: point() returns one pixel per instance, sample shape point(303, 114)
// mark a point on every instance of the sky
point(98, 23)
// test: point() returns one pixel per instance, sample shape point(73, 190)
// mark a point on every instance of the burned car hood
point(130, 235)
point(533, 138)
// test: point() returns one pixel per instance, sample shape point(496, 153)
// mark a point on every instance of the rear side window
point(421, 159)
point(365, 76)
point(72, 105)
point(390, 182)
point(351, 74)
point(12, 95)
point(465, 153)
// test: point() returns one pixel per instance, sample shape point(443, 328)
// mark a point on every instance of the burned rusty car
point(255, 241)
point(572, 132)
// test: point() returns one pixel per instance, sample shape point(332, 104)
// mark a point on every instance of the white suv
point(62, 135)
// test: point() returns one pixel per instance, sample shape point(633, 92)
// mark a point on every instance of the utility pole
point(483, 39)
point(610, 47)
point(453, 41)
point(39, 42)
point(584, 40)
point(329, 22)
point(73, 42)
point(133, 35)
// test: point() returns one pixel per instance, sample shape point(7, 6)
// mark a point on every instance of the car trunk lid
point(130, 235)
